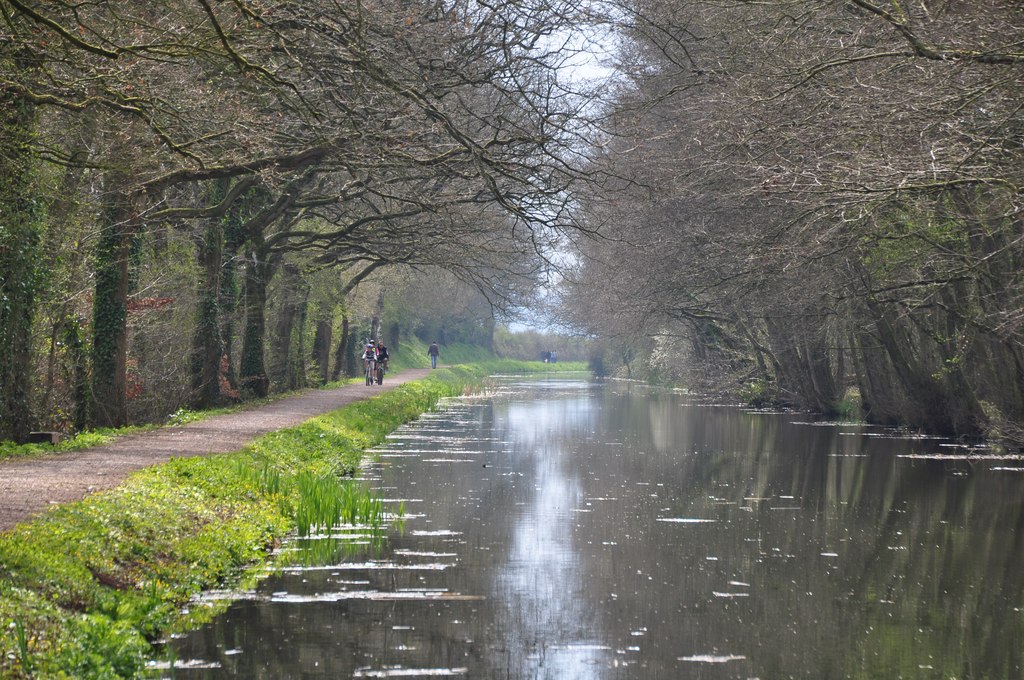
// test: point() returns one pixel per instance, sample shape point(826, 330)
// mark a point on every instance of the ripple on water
point(711, 658)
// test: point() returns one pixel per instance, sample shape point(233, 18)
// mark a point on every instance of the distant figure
point(552, 357)
point(433, 352)
point(383, 355)
point(545, 356)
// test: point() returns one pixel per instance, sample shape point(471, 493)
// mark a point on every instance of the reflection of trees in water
point(928, 570)
point(949, 557)
point(921, 559)
point(880, 566)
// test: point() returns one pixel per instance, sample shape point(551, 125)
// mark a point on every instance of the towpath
point(28, 487)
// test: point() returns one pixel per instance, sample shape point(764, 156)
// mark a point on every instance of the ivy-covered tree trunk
point(228, 306)
point(955, 335)
point(234, 238)
point(352, 351)
point(115, 252)
point(66, 327)
point(378, 314)
point(207, 348)
point(345, 360)
point(79, 374)
point(881, 392)
point(19, 254)
point(341, 354)
point(322, 346)
point(252, 371)
point(297, 365)
point(288, 355)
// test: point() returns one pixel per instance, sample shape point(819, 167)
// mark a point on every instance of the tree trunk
point(994, 262)
point(804, 364)
point(228, 307)
point(353, 349)
point(252, 372)
point(394, 336)
point(342, 363)
point(882, 393)
point(234, 238)
point(288, 370)
point(963, 409)
point(79, 374)
point(117, 246)
point(926, 406)
point(378, 314)
point(818, 360)
point(322, 348)
point(488, 332)
point(19, 255)
point(297, 365)
point(207, 347)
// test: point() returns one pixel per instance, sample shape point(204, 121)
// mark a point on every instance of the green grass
point(83, 440)
point(85, 588)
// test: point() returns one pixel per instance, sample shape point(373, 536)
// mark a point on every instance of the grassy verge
point(85, 588)
point(83, 440)
point(98, 437)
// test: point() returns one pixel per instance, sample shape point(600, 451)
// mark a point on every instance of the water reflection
point(568, 530)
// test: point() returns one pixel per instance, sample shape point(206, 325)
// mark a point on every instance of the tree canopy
point(815, 196)
point(278, 139)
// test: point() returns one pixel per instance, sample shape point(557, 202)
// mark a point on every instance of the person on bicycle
point(382, 355)
point(369, 357)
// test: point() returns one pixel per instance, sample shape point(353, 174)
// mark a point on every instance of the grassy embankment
point(87, 586)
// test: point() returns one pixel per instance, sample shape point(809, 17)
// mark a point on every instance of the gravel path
point(29, 487)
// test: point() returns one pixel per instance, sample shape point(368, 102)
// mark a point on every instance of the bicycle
point(382, 367)
point(370, 369)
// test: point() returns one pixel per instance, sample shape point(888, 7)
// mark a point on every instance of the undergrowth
point(82, 440)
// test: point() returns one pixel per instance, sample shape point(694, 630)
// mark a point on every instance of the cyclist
point(369, 358)
point(382, 355)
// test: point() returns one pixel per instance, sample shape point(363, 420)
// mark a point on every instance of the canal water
point(563, 529)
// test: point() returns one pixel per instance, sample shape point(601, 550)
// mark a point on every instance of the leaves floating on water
point(710, 658)
point(959, 456)
point(409, 672)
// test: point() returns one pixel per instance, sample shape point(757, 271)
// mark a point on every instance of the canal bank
point(85, 587)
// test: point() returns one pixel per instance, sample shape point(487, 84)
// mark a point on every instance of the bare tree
point(826, 192)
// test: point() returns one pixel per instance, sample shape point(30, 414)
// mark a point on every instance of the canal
point(564, 529)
